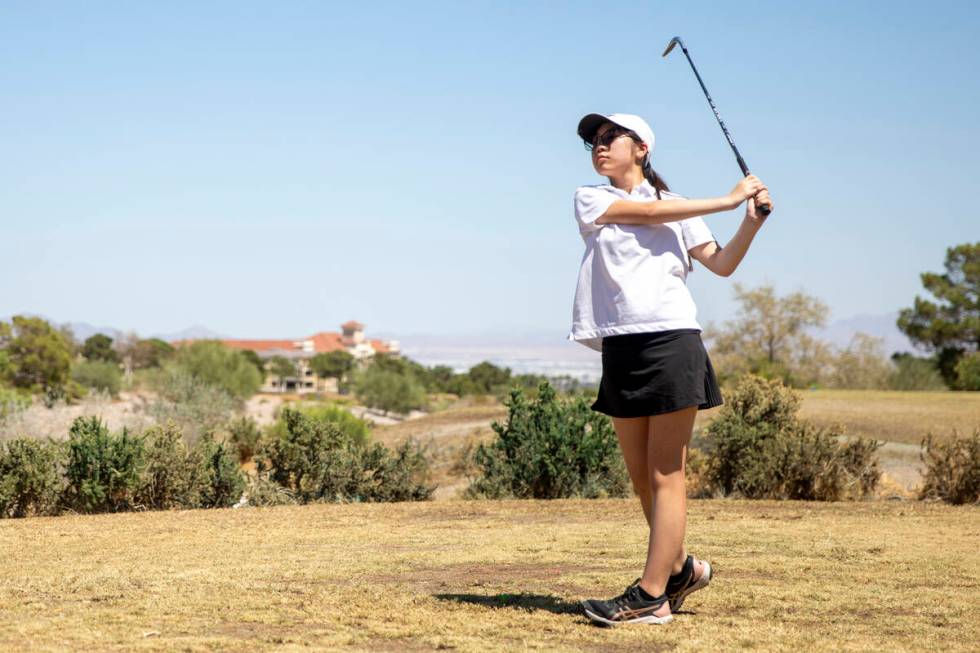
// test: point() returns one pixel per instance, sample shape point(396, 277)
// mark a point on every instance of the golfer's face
point(613, 151)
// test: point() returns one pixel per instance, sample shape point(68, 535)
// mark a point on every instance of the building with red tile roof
point(300, 350)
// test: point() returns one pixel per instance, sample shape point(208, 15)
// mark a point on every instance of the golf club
point(764, 209)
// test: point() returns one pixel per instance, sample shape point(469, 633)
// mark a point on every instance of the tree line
point(772, 336)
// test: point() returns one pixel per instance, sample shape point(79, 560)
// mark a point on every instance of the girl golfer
point(633, 305)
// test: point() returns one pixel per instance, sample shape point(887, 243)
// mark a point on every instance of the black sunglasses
point(608, 136)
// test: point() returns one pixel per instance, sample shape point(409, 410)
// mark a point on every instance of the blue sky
point(274, 169)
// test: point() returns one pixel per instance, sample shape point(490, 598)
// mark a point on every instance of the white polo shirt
point(633, 276)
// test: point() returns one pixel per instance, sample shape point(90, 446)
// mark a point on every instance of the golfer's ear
point(643, 151)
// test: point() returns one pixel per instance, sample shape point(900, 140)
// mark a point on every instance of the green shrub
point(216, 365)
point(388, 390)
point(30, 482)
point(316, 461)
point(952, 469)
point(398, 475)
point(98, 375)
point(102, 469)
point(913, 373)
point(349, 424)
point(550, 449)
point(244, 434)
point(462, 385)
point(219, 479)
point(968, 372)
point(758, 449)
point(490, 379)
point(168, 479)
point(205, 476)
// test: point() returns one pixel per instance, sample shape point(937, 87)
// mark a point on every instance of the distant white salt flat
point(584, 369)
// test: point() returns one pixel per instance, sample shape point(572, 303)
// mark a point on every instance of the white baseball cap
point(588, 125)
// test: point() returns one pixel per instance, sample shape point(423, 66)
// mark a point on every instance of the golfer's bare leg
point(669, 436)
point(633, 433)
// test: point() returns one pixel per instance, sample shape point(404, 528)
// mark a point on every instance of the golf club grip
point(764, 209)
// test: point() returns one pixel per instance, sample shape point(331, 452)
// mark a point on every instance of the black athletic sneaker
point(629, 608)
point(695, 575)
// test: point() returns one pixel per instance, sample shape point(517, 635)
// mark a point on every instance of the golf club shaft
point(764, 209)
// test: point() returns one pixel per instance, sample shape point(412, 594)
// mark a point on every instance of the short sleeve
point(590, 203)
point(695, 232)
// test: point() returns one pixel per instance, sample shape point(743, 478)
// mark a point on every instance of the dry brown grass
point(450, 423)
point(451, 434)
point(889, 415)
point(894, 416)
point(486, 576)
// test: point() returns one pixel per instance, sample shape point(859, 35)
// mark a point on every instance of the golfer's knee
point(661, 480)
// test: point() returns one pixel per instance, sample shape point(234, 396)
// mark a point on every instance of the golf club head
point(670, 46)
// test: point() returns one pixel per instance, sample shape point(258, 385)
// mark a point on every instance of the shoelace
point(632, 593)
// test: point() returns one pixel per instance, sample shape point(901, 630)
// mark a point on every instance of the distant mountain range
point(196, 332)
point(84, 330)
point(882, 325)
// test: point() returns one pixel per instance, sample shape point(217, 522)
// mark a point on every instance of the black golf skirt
point(653, 373)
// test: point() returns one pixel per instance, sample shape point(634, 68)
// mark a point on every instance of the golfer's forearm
point(732, 254)
point(630, 212)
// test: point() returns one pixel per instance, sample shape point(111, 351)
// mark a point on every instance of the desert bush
point(102, 469)
point(12, 403)
point(398, 475)
point(263, 491)
point(192, 404)
point(168, 479)
point(174, 476)
point(98, 375)
point(30, 480)
point(757, 448)
point(859, 459)
point(952, 469)
point(316, 461)
point(695, 470)
point(218, 478)
point(244, 434)
point(548, 449)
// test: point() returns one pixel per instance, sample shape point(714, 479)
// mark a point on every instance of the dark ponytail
point(651, 175)
point(655, 180)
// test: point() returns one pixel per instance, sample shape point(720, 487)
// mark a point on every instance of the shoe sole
point(701, 584)
point(652, 619)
